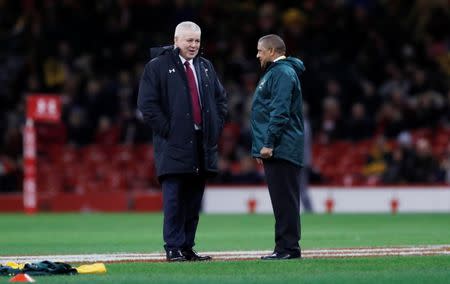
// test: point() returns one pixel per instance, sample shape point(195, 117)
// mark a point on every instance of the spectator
point(377, 160)
point(306, 170)
point(395, 171)
point(395, 80)
point(294, 25)
point(107, 132)
point(359, 126)
point(420, 83)
point(331, 123)
point(133, 129)
point(445, 166)
point(78, 131)
point(9, 174)
point(393, 63)
point(370, 99)
point(446, 110)
point(390, 121)
point(425, 168)
point(427, 110)
point(402, 162)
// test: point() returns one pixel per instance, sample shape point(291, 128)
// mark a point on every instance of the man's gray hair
point(274, 42)
point(187, 26)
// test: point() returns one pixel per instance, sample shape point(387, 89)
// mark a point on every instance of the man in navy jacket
point(184, 103)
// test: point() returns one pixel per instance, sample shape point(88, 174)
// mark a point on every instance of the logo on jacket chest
point(172, 70)
point(261, 85)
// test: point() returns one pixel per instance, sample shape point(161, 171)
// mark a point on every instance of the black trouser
point(182, 200)
point(283, 180)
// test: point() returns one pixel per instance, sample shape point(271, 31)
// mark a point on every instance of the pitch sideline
point(239, 255)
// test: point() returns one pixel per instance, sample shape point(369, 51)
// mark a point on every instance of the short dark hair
point(273, 41)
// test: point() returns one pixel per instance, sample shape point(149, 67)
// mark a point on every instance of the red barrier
point(11, 203)
point(148, 202)
point(103, 202)
point(93, 202)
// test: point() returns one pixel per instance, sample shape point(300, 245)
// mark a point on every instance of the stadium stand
point(377, 71)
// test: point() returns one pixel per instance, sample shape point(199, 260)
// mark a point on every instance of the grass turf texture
point(103, 233)
point(357, 270)
point(109, 233)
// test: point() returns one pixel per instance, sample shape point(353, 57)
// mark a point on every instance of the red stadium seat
point(144, 151)
point(68, 155)
point(95, 154)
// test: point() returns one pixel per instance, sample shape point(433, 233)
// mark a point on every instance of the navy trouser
point(283, 180)
point(182, 201)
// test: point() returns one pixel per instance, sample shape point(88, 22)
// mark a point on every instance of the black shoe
point(175, 255)
point(281, 256)
point(192, 255)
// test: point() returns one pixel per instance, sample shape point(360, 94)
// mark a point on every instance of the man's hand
point(266, 153)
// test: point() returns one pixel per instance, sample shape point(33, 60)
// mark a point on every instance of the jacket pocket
point(159, 143)
point(212, 158)
point(213, 132)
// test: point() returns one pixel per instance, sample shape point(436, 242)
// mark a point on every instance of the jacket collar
point(279, 58)
point(273, 63)
point(191, 61)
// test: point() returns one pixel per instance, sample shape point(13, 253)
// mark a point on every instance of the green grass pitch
point(112, 233)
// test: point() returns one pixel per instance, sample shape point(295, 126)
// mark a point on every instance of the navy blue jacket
point(165, 103)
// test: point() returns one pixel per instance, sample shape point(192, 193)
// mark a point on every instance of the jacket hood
point(296, 63)
point(157, 51)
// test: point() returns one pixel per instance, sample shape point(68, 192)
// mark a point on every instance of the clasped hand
point(266, 153)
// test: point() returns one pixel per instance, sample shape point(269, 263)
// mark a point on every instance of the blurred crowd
point(374, 69)
point(411, 161)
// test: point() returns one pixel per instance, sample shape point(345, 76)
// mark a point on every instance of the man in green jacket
point(277, 140)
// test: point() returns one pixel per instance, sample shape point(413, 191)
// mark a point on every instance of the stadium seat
point(144, 151)
point(95, 154)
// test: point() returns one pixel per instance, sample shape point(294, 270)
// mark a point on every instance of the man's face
point(264, 55)
point(189, 43)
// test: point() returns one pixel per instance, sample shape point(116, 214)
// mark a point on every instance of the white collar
point(279, 58)
point(191, 62)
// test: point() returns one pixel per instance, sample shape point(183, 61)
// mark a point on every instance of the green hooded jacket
point(277, 116)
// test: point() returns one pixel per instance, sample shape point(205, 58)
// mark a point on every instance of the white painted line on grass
point(230, 255)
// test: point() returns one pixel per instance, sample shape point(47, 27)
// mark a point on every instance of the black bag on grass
point(40, 268)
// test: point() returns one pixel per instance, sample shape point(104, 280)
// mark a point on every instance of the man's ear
point(272, 51)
